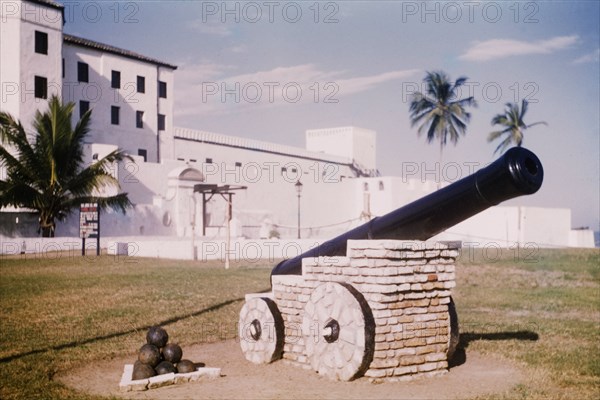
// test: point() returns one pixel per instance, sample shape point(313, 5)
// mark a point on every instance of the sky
point(270, 70)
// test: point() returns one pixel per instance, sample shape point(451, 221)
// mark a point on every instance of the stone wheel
point(454, 331)
point(339, 331)
point(261, 330)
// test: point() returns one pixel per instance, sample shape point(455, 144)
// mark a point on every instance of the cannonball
point(157, 336)
point(165, 367)
point(185, 366)
point(149, 355)
point(172, 352)
point(142, 371)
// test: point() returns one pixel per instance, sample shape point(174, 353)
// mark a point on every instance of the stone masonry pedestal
point(381, 312)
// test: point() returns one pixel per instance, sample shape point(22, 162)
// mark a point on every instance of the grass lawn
point(58, 313)
point(541, 310)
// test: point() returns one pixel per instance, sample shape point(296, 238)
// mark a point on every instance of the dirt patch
point(477, 376)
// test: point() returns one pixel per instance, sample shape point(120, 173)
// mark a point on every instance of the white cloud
point(199, 72)
point(215, 28)
point(592, 57)
point(361, 83)
point(297, 73)
point(189, 79)
point(206, 88)
point(501, 48)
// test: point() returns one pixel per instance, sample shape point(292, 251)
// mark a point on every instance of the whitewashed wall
point(19, 62)
point(271, 193)
point(355, 143)
point(332, 200)
point(101, 97)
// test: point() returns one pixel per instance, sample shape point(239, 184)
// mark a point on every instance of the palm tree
point(439, 111)
point(514, 127)
point(48, 174)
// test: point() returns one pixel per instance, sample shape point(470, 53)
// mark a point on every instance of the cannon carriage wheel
point(339, 331)
point(261, 330)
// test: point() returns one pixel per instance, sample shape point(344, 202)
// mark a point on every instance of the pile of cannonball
point(157, 357)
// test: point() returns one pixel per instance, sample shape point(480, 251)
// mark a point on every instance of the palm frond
point(49, 175)
point(97, 175)
point(468, 102)
point(427, 117)
point(119, 202)
point(500, 119)
point(423, 117)
point(513, 123)
point(503, 145)
point(536, 123)
point(460, 81)
point(496, 134)
point(460, 124)
point(454, 133)
point(524, 106)
point(18, 195)
point(440, 112)
point(434, 126)
point(17, 156)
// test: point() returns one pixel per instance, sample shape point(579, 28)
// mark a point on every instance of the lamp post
point(298, 186)
point(193, 224)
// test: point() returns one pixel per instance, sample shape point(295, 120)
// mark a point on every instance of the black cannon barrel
point(518, 172)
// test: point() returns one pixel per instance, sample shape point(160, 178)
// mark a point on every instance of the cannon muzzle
point(518, 172)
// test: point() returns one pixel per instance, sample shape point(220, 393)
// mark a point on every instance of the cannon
point(375, 300)
point(518, 172)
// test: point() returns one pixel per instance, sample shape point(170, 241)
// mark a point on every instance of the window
point(83, 73)
point(365, 186)
point(41, 42)
point(115, 81)
point(143, 153)
point(139, 119)
point(141, 84)
point(114, 115)
point(381, 186)
point(41, 87)
point(161, 122)
point(162, 89)
point(209, 160)
point(238, 164)
point(84, 106)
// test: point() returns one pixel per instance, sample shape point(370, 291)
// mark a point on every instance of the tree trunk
point(439, 181)
point(47, 228)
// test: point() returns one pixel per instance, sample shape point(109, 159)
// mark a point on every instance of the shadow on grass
point(123, 333)
point(460, 356)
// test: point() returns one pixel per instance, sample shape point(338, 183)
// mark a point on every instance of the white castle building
point(132, 98)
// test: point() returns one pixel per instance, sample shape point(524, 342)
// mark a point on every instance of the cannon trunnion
point(376, 300)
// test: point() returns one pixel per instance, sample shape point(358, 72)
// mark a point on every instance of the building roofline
point(279, 153)
point(256, 145)
point(49, 3)
point(78, 41)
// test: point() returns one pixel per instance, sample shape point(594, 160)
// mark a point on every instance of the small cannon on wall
point(375, 301)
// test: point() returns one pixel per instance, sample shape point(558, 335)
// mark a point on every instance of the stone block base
point(128, 385)
point(380, 312)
